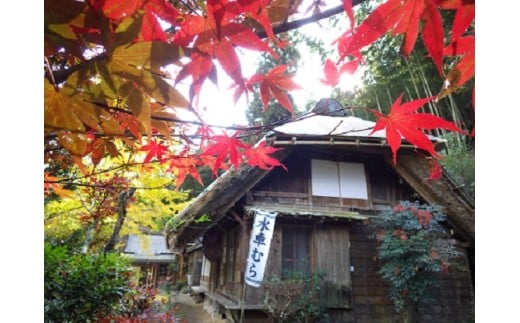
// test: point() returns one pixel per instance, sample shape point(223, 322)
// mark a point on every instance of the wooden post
point(181, 266)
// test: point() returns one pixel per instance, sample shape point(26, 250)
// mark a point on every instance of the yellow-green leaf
point(153, 54)
point(137, 104)
point(128, 29)
point(75, 143)
point(134, 63)
point(58, 110)
point(163, 127)
point(108, 84)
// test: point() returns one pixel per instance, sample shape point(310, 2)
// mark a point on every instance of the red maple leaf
point(347, 6)
point(218, 41)
point(258, 10)
point(403, 17)
point(223, 147)
point(435, 169)
point(259, 156)
point(151, 29)
point(129, 122)
point(117, 10)
point(343, 44)
point(155, 149)
point(464, 70)
point(403, 122)
point(333, 73)
point(200, 68)
point(464, 16)
point(99, 147)
point(275, 82)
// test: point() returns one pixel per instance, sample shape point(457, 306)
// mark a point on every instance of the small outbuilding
point(150, 254)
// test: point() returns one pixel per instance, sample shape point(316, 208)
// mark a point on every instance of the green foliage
point(203, 218)
point(460, 164)
point(294, 297)
point(83, 287)
point(413, 247)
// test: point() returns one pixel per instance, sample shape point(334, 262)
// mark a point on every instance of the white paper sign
point(259, 244)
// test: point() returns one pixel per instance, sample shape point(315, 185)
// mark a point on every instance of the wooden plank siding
point(358, 296)
point(335, 244)
point(332, 256)
point(293, 187)
point(453, 301)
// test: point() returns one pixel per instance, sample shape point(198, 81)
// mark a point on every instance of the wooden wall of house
point(195, 266)
point(328, 250)
point(293, 187)
point(354, 294)
point(453, 300)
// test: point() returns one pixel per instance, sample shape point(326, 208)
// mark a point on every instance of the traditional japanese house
point(149, 254)
point(337, 177)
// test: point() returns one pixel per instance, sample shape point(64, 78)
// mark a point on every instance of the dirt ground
point(191, 312)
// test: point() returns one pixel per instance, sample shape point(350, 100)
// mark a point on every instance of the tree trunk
point(121, 215)
point(90, 236)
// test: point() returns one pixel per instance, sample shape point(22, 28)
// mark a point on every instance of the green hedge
point(84, 287)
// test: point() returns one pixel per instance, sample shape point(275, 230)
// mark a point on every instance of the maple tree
point(114, 71)
point(94, 212)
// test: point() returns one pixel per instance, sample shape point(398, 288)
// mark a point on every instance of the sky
point(497, 174)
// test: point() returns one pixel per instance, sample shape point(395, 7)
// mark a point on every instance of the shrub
point(414, 247)
point(294, 297)
point(83, 287)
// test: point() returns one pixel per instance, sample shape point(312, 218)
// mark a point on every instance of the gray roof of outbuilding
point(153, 250)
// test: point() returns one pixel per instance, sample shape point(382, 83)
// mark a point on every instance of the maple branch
point(70, 181)
point(295, 24)
point(190, 8)
point(255, 130)
point(61, 75)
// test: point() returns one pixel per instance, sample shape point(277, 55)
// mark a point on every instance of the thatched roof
point(333, 131)
point(148, 248)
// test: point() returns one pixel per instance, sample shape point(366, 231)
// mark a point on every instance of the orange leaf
point(184, 166)
point(52, 185)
